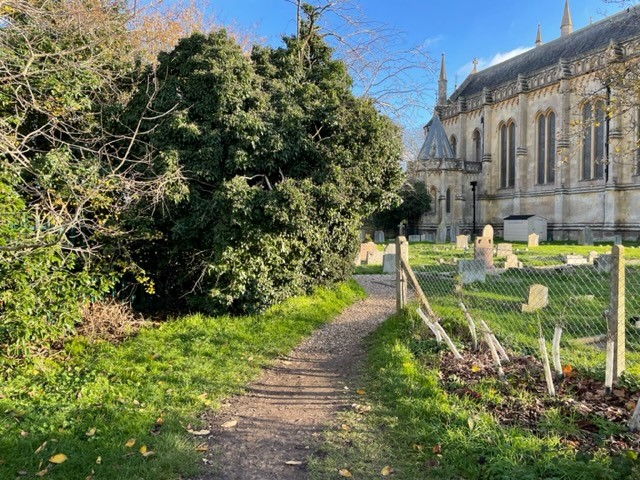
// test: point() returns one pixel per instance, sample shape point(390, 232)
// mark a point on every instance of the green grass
point(425, 431)
point(90, 399)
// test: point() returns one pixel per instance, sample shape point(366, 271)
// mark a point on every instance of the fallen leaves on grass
point(202, 447)
point(345, 473)
point(41, 447)
point(130, 443)
point(146, 452)
point(293, 462)
point(361, 391)
point(91, 432)
point(42, 472)
point(199, 433)
point(230, 424)
point(58, 458)
point(386, 471)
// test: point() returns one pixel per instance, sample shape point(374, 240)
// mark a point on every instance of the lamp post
point(474, 184)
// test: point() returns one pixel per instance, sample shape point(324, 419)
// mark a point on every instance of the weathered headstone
point(603, 263)
point(365, 248)
point(430, 237)
point(617, 239)
point(471, 271)
point(362, 235)
point(374, 258)
point(483, 250)
point(592, 256)
point(389, 263)
point(441, 233)
point(575, 260)
point(414, 238)
point(504, 249)
point(585, 237)
point(538, 298)
point(487, 232)
point(423, 237)
point(511, 261)
point(534, 240)
point(378, 236)
point(462, 242)
point(391, 248)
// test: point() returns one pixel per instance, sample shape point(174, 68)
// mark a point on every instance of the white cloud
point(486, 63)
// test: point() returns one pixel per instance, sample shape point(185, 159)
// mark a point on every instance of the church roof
point(619, 28)
point(436, 146)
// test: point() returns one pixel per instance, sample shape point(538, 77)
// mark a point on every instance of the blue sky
point(462, 29)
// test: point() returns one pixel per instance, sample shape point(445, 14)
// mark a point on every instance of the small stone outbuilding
point(518, 227)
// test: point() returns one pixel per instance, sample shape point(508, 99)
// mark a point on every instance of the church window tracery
point(508, 155)
point(454, 145)
point(477, 145)
point(593, 119)
point(546, 148)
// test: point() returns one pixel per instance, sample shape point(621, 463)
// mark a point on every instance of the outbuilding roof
point(597, 36)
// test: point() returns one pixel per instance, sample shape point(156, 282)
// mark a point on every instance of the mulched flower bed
point(597, 421)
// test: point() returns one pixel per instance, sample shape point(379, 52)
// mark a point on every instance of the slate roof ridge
point(548, 54)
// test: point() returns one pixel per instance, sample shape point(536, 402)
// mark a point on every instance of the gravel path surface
point(292, 401)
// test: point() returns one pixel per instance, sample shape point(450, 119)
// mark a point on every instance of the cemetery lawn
point(418, 419)
point(104, 411)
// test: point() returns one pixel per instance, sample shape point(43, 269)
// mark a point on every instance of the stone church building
point(552, 132)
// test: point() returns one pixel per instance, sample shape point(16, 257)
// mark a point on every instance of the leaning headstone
point(534, 240)
point(592, 256)
point(365, 248)
point(538, 298)
point(483, 250)
point(504, 249)
point(575, 260)
point(471, 271)
point(378, 236)
point(487, 232)
point(374, 258)
point(603, 263)
point(414, 238)
point(585, 237)
point(462, 242)
point(617, 239)
point(511, 261)
point(391, 248)
point(389, 263)
point(441, 233)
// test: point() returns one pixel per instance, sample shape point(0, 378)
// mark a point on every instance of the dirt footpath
point(288, 406)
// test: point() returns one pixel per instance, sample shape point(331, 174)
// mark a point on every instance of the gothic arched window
point(593, 119)
point(546, 148)
point(448, 201)
point(477, 146)
point(508, 155)
point(454, 145)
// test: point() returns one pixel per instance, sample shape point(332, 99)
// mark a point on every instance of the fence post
point(401, 277)
point(616, 321)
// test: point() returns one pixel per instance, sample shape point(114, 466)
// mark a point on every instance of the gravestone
point(378, 236)
point(365, 248)
point(362, 235)
point(617, 239)
point(374, 258)
point(575, 260)
point(462, 242)
point(414, 238)
point(592, 256)
point(511, 261)
point(357, 261)
point(430, 237)
point(585, 237)
point(538, 298)
point(423, 237)
point(391, 248)
point(487, 232)
point(603, 263)
point(441, 233)
point(534, 240)
point(483, 250)
point(504, 249)
point(389, 262)
point(471, 271)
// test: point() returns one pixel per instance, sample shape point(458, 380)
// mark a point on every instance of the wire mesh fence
point(520, 294)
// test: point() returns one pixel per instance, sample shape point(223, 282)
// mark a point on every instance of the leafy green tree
point(282, 162)
point(415, 202)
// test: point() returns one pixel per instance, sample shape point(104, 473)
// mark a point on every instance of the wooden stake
point(417, 288)
point(555, 351)
point(545, 362)
point(430, 324)
point(472, 326)
point(492, 348)
point(634, 423)
point(448, 341)
point(609, 365)
point(495, 342)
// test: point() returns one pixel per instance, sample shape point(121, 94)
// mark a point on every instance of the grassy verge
point(99, 404)
point(408, 421)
